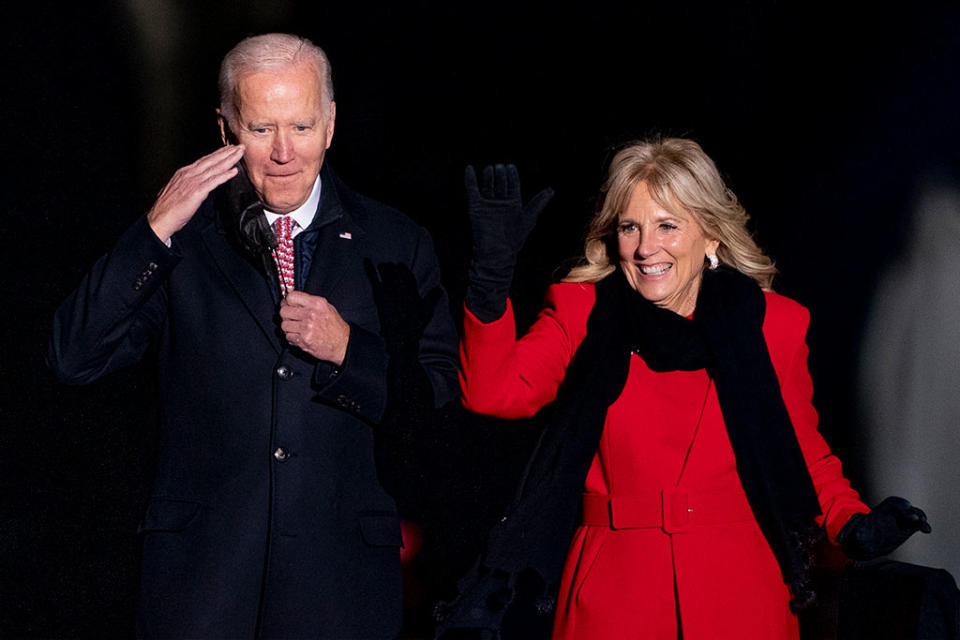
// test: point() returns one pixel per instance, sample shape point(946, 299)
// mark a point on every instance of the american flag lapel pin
point(346, 235)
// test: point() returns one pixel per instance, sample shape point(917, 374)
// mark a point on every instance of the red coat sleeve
point(786, 328)
point(510, 378)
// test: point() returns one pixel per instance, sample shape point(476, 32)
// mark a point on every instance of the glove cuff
point(847, 530)
point(488, 288)
point(486, 303)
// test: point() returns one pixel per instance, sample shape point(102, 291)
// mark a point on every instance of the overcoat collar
point(338, 238)
point(335, 252)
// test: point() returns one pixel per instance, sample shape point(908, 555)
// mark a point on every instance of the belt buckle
point(675, 510)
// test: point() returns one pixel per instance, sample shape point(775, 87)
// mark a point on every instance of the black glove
point(886, 527)
point(500, 223)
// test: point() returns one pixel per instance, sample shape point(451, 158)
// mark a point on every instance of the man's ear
point(331, 121)
point(225, 134)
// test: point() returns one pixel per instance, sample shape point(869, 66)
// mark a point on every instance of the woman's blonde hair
point(679, 175)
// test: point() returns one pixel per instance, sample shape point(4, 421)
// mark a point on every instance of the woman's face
point(662, 253)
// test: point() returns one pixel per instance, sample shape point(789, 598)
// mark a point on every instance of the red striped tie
point(283, 254)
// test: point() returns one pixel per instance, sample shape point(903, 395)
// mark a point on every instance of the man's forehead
point(306, 70)
point(269, 91)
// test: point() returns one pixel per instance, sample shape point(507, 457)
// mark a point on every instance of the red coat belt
point(674, 510)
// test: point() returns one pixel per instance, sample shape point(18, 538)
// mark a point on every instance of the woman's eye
point(628, 229)
point(666, 226)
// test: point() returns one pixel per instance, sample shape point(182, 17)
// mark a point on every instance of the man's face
point(281, 122)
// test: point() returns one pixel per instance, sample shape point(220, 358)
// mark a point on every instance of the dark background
point(824, 120)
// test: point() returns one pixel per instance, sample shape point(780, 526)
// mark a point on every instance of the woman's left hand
point(886, 527)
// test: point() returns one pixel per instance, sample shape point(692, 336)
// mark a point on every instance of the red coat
point(630, 573)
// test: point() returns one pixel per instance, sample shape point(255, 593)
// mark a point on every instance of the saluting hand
point(313, 325)
point(189, 186)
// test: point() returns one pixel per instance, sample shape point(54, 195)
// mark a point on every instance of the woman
point(681, 474)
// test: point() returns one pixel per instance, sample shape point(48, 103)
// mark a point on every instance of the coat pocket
point(165, 514)
point(593, 543)
point(380, 529)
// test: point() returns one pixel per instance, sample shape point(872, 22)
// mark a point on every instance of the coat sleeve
point(509, 378)
point(361, 383)
point(438, 345)
point(838, 501)
point(108, 322)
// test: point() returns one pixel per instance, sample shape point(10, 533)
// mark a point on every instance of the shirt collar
point(303, 215)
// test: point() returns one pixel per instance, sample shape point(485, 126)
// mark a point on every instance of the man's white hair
point(269, 51)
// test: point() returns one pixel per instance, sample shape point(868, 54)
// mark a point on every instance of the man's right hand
point(188, 188)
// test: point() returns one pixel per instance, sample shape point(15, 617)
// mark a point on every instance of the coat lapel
point(337, 252)
point(249, 285)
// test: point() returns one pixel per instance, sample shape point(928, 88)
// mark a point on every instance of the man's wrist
point(159, 230)
point(343, 351)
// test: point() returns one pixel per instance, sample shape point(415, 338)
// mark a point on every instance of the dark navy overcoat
point(266, 515)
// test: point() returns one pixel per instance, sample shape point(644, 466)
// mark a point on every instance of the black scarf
point(725, 337)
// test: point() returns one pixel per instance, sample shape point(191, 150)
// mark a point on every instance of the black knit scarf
point(725, 337)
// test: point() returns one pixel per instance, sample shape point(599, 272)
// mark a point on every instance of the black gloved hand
point(500, 223)
point(886, 527)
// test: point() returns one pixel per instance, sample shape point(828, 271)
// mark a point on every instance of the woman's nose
point(647, 243)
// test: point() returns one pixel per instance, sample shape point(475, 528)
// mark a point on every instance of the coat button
point(284, 373)
point(281, 454)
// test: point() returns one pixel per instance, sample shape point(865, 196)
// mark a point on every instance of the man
point(266, 516)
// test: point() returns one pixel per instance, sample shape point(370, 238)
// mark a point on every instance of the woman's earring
point(714, 263)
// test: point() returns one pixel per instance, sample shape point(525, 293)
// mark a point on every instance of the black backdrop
point(824, 120)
